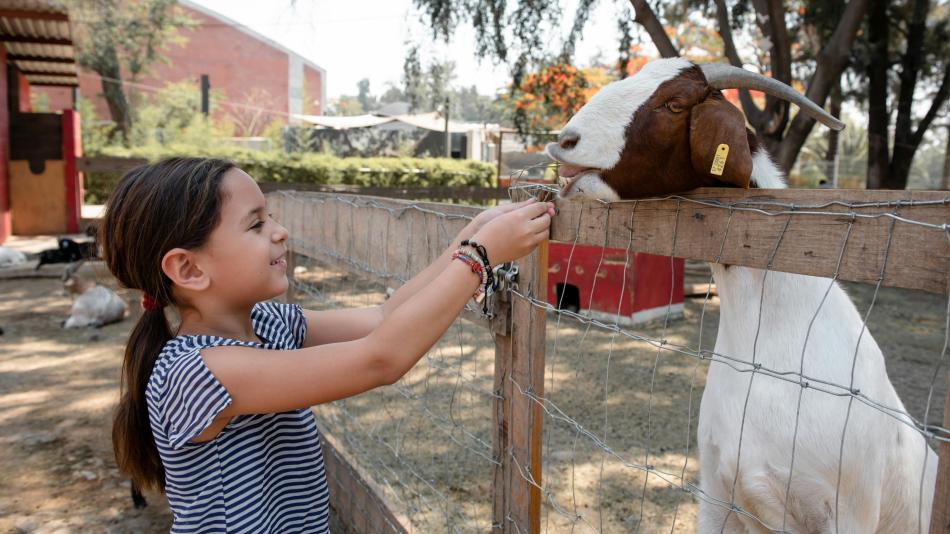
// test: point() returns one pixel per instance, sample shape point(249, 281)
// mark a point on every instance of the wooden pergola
point(39, 42)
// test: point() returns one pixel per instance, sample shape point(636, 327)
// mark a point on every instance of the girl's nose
point(280, 234)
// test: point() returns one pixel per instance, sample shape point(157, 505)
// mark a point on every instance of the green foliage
point(345, 106)
point(852, 164)
point(95, 131)
point(311, 168)
point(172, 115)
point(413, 84)
point(39, 102)
point(366, 100)
point(117, 38)
point(927, 170)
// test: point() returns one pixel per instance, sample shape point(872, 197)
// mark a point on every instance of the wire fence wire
point(793, 366)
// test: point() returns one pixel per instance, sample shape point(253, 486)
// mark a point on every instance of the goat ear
point(718, 142)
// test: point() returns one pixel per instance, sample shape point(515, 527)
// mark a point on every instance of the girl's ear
point(181, 267)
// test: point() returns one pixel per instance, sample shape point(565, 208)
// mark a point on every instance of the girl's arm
point(266, 381)
point(333, 326)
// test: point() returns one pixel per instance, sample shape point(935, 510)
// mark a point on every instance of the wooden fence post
point(519, 374)
point(940, 517)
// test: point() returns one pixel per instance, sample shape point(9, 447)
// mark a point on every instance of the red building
point(249, 70)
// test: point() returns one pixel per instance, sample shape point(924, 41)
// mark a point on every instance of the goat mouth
point(569, 174)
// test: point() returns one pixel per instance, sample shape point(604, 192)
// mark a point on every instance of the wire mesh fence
point(546, 418)
point(797, 375)
point(426, 440)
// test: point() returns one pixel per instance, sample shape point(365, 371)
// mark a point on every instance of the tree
point(821, 60)
point(500, 31)
point(392, 94)
point(346, 105)
point(366, 100)
point(252, 114)
point(413, 84)
point(546, 99)
point(115, 38)
point(923, 62)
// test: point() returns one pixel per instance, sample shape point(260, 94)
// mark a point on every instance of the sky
point(367, 39)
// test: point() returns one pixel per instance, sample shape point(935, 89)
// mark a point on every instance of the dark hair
point(154, 208)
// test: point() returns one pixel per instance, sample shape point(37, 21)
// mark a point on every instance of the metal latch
point(506, 276)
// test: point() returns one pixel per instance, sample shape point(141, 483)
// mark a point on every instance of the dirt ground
point(427, 439)
point(57, 389)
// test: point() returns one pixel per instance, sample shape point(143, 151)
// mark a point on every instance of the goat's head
point(666, 129)
point(73, 283)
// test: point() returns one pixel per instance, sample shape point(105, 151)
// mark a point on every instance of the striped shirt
point(261, 473)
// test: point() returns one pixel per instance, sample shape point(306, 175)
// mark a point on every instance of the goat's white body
point(96, 306)
point(883, 458)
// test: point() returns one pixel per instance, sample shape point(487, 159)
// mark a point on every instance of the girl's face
point(245, 256)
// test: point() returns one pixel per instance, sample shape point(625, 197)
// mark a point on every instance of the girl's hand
point(491, 214)
point(516, 232)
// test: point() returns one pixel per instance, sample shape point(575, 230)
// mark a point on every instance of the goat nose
point(568, 139)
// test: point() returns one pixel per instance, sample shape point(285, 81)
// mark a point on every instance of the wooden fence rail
point(902, 233)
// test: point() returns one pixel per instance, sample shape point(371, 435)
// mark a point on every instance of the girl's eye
point(258, 225)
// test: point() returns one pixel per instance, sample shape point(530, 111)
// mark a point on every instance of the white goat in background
point(657, 133)
point(94, 306)
point(10, 257)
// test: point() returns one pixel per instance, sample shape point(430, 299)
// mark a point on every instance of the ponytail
point(132, 440)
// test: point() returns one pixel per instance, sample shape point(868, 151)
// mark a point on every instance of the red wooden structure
point(40, 185)
point(600, 283)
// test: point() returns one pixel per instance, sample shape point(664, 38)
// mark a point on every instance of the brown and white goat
point(658, 133)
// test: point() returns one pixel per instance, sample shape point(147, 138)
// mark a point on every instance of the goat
point(658, 133)
point(68, 251)
point(10, 256)
point(94, 306)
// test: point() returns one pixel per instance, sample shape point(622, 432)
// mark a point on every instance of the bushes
point(277, 166)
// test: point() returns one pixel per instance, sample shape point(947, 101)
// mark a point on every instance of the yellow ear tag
point(719, 162)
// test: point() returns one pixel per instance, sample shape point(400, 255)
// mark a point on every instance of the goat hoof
point(138, 501)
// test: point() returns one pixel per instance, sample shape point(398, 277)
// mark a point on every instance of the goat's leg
point(138, 500)
point(714, 512)
point(714, 518)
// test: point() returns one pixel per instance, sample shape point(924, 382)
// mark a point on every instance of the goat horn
point(722, 76)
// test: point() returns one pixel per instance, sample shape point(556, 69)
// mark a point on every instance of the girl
point(216, 413)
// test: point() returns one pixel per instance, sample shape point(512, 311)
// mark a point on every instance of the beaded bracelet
point(470, 255)
point(476, 266)
point(480, 249)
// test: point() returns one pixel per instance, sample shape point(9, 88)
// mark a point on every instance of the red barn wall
point(313, 89)
point(239, 66)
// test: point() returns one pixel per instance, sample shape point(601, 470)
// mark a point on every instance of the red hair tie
point(150, 303)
